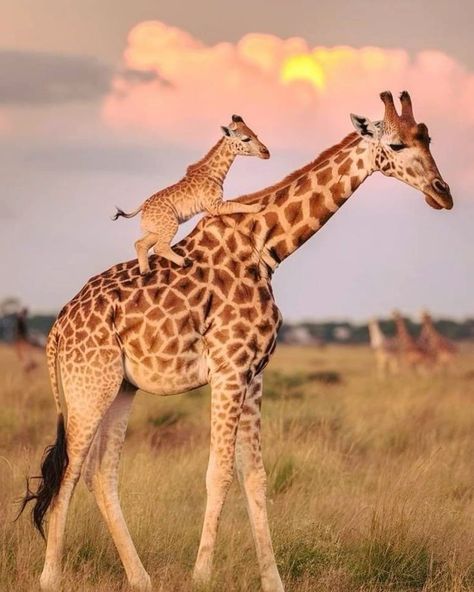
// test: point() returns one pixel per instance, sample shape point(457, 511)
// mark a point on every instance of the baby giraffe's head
point(402, 150)
point(243, 140)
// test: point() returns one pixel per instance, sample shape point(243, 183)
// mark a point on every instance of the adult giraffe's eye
point(246, 139)
point(397, 147)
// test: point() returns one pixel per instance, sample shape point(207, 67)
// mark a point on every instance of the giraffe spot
point(240, 330)
point(172, 301)
point(183, 285)
point(337, 191)
point(410, 172)
point(222, 280)
point(265, 295)
point(355, 182)
point(201, 273)
point(150, 337)
point(360, 163)
point(249, 313)
point(324, 176)
point(100, 304)
point(228, 313)
point(303, 185)
point(253, 272)
point(167, 327)
point(340, 157)
point(243, 358)
point(172, 347)
point(242, 292)
point(317, 209)
point(282, 195)
point(345, 167)
point(94, 321)
point(303, 234)
point(232, 244)
point(265, 327)
point(294, 213)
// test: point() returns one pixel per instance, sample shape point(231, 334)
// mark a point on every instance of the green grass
point(370, 482)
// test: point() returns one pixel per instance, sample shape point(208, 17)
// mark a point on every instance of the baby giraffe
point(199, 191)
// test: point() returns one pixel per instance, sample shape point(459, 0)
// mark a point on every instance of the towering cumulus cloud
point(290, 91)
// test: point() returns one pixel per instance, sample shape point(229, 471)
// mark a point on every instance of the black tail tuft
point(119, 213)
point(54, 463)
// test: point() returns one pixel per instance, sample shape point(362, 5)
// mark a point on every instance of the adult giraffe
point(215, 322)
point(441, 349)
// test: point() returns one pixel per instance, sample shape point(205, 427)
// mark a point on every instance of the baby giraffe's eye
point(245, 139)
point(397, 147)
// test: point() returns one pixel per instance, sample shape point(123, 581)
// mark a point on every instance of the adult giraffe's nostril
point(440, 186)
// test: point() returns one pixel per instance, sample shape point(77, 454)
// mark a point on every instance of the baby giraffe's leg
point(233, 207)
point(164, 250)
point(142, 246)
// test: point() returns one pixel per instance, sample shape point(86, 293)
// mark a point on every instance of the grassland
point(371, 482)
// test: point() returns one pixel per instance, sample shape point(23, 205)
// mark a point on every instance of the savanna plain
point(370, 481)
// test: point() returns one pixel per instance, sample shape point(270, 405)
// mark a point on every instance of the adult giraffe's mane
point(322, 160)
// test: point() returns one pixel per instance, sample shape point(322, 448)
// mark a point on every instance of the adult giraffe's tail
point(55, 458)
point(120, 213)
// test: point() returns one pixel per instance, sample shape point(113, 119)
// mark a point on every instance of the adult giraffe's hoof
point(141, 583)
point(201, 579)
point(50, 581)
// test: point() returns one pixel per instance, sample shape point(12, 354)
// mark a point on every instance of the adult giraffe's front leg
point(228, 393)
point(253, 480)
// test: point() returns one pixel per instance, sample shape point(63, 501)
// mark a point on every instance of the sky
point(103, 103)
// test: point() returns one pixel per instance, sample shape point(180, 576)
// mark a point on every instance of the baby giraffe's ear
point(364, 127)
point(227, 131)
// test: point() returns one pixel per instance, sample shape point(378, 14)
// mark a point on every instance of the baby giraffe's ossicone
point(200, 190)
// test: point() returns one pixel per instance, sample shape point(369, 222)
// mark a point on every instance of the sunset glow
point(303, 67)
point(308, 91)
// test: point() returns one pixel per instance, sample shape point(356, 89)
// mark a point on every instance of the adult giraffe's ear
point(227, 131)
point(364, 127)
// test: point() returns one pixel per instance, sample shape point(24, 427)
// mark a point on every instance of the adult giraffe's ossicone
point(215, 322)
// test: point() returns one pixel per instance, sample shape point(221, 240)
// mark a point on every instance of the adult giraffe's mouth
point(439, 196)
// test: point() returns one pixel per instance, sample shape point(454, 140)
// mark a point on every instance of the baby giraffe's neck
point(216, 163)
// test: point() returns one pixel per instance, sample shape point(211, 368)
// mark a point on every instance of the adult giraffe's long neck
point(403, 335)
point(303, 202)
point(216, 163)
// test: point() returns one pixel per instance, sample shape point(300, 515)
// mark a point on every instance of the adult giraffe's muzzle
point(438, 195)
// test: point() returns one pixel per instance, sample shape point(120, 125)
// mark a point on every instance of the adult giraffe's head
point(402, 150)
point(243, 140)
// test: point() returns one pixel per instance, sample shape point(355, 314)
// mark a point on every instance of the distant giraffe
point(386, 349)
point(215, 322)
point(441, 349)
point(199, 190)
point(411, 354)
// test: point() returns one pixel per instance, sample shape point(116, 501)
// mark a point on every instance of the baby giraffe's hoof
point(187, 262)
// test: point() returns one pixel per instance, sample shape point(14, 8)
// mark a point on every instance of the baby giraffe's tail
point(120, 213)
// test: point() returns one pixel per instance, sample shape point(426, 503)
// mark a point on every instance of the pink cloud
point(295, 96)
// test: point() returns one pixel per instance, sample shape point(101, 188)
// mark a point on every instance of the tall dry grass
point(371, 482)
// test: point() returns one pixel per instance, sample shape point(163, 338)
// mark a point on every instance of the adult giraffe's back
point(215, 322)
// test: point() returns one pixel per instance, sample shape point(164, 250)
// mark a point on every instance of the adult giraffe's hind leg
point(253, 480)
point(88, 392)
point(101, 477)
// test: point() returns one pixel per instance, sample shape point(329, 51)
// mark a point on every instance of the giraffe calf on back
point(199, 190)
